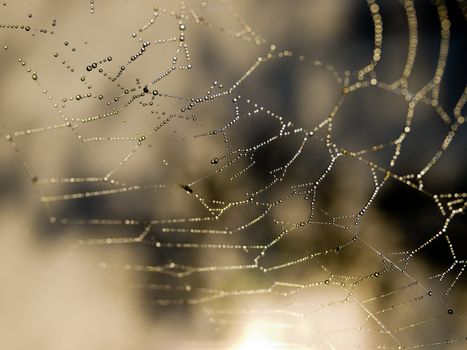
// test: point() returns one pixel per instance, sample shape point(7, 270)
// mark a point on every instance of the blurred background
point(232, 174)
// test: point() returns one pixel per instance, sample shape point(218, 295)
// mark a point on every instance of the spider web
point(167, 129)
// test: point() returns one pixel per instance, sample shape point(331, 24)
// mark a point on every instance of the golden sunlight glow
point(258, 343)
point(255, 339)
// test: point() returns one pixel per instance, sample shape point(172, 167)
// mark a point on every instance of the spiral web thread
point(408, 313)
